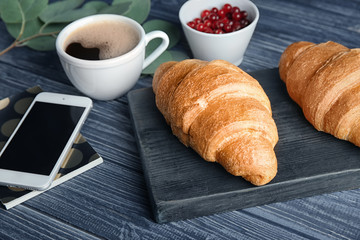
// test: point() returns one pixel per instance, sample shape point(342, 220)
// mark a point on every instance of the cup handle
point(159, 50)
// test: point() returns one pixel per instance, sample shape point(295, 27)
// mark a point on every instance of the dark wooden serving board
point(182, 185)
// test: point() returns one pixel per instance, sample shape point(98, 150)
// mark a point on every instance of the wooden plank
point(182, 185)
point(26, 223)
point(328, 216)
point(111, 200)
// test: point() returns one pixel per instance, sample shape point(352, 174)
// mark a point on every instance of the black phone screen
point(41, 138)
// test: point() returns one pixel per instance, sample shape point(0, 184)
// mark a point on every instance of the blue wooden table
point(110, 201)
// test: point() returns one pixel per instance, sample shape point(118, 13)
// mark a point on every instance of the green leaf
point(72, 15)
point(32, 8)
point(170, 29)
point(164, 57)
point(13, 9)
point(32, 27)
point(54, 27)
point(178, 55)
point(139, 9)
point(3, 4)
point(119, 8)
point(56, 9)
point(12, 14)
point(97, 5)
point(44, 43)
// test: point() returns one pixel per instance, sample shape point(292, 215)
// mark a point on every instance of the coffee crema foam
point(112, 38)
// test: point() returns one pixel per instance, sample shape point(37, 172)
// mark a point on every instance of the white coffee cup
point(110, 78)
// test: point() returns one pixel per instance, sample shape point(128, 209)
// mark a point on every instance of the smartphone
point(33, 154)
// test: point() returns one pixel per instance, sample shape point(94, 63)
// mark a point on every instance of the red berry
point(220, 24)
point(197, 21)
point(214, 10)
point(235, 10)
point(236, 16)
point(236, 26)
point(208, 30)
point(207, 23)
point(200, 27)
point(213, 17)
point(244, 14)
point(218, 31)
point(204, 14)
point(225, 20)
point(221, 13)
point(214, 25)
point(227, 8)
point(219, 21)
point(227, 28)
point(191, 24)
point(244, 23)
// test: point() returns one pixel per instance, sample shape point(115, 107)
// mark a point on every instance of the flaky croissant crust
point(222, 113)
point(324, 80)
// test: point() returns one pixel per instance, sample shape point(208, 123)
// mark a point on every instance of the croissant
point(324, 80)
point(222, 113)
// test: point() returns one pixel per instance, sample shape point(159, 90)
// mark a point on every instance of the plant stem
point(15, 43)
point(36, 36)
point(42, 28)
point(8, 48)
point(18, 43)
point(22, 23)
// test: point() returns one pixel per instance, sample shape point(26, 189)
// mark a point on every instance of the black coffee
point(102, 40)
point(78, 51)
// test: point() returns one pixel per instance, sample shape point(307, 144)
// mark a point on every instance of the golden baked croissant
point(324, 80)
point(222, 113)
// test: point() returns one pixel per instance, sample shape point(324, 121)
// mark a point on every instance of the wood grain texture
point(182, 185)
point(111, 200)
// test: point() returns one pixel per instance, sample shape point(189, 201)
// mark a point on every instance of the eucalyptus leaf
point(178, 55)
point(53, 10)
point(41, 43)
point(96, 5)
point(164, 57)
point(2, 5)
point(54, 28)
point(32, 8)
point(13, 11)
point(152, 45)
point(139, 9)
point(72, 15)
point(44, 43)
point(119, 8)
point(174, 36)
point(170, 29)
point(32, 28)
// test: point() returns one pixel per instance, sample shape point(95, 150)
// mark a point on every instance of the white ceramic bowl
point(229, 46)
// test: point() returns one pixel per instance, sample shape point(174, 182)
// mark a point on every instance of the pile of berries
point(218, 21)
